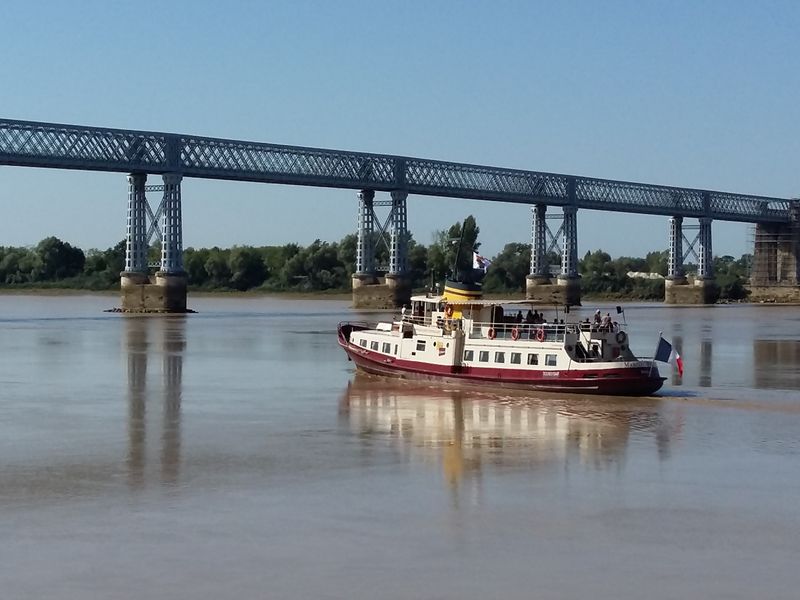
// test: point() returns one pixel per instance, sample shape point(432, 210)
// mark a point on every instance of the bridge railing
point(75, 147)
point(206, 157)
point(26, 143)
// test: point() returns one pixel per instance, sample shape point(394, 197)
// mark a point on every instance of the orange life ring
point(515, 334)
point(448, 311)
point(540, 334)
point(491, 333)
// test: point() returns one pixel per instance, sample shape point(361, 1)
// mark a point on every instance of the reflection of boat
point(471, 430)
point(459, 337)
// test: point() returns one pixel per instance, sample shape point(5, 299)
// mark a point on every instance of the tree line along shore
point(328, 267)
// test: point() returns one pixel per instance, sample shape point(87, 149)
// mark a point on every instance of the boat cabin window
point(468, 355)
point(419, 311)
point(420, 345)
point(363, 343)
point(533, 359)
point(516, 358)
point(499, 357)
point(550, 360)
point(386, 348)
point(395, 348)
point(483, 356)
point(373, 345)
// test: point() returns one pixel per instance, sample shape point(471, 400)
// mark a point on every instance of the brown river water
point(233, 453)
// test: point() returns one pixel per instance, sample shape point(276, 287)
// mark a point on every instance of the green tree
point(509, 269)
point(246, 267)
point(418, 264)
point(445, 248)
point(731, 275)
point(657, 261)
point(194, 263)
point(58, 259)
point(101, 268)
point(19, 265)
point(219, 274)
point(347, 249)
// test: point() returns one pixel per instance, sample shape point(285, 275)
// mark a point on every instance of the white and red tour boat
point(459, 337)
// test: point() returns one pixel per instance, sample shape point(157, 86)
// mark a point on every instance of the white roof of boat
point(480, 302)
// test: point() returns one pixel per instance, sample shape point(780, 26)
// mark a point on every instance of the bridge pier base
point(683, 291)
point(386, 293)
point(775, 275)
point(544, 291)
point(166, 295)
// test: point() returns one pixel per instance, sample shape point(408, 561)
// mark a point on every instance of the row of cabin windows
point(386, 347)
point(516, 358)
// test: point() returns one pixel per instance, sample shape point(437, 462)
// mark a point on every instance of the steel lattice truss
point(31, 144)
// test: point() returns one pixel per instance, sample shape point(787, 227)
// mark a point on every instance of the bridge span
point(174, 156)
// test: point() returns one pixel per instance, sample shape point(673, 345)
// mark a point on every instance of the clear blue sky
point(700, 94)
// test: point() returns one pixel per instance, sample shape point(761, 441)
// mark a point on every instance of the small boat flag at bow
point(667, 354)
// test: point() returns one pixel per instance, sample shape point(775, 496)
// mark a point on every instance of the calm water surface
point(234, 454)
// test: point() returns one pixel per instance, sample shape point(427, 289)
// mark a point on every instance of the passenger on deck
point(598, 319)
point(519, 316)
point(497, 317)
point(605, 325)
point(529, 318)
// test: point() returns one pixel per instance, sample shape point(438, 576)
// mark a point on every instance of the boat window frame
point(469, 355)
point(483, 356)
point(373, 345)
point(516, 358)
point(533, 358)
point(421, 345)
point(554, 358)
point(500, 357)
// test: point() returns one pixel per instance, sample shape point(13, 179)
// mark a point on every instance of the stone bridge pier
point(392, 288)
point(165, 291)
point(775, 274)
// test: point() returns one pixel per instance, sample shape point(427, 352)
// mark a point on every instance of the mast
point(458, 251)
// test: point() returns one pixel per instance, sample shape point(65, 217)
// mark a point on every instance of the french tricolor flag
point(667, 354)
point(479, 262)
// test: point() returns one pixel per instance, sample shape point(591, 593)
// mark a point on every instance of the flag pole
point(652, 362)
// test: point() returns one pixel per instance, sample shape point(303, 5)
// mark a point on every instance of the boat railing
point(550, 332)
point(542, 332)
point(416, 320)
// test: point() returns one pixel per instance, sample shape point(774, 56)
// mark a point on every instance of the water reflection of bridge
point(471, 431)
point(172, 334)
point(776, 364)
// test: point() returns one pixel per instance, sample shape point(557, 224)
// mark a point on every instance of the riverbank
point(51, 291)
point(338, 295)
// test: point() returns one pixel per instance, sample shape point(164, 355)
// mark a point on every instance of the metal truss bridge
point(32, 144)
